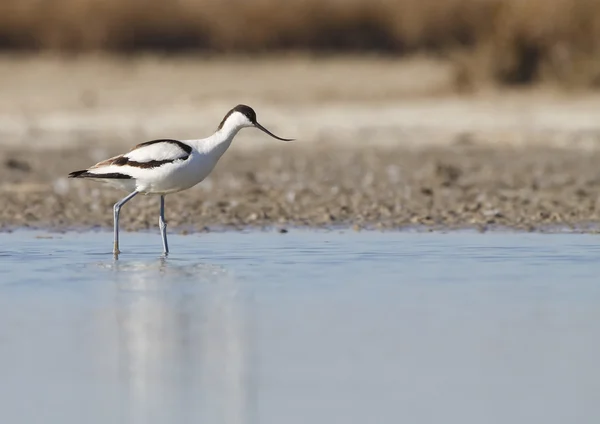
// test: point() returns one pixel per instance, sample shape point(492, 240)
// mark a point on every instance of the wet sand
point(283, 186)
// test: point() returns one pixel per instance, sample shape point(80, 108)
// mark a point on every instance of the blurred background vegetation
point(507, 42)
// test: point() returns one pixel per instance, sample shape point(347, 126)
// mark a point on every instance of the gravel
point(460, 186)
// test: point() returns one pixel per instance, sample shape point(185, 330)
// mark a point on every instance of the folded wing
point(148, 155)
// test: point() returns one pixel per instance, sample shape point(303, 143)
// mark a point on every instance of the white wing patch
point(150, 155)
point(158, 166)
point(161, 151)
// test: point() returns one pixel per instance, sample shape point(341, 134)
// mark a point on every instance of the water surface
point(305, 327)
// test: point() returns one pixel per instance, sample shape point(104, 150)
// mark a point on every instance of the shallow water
point(305, 327)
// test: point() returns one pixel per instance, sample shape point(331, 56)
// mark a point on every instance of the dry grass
point(509, 41)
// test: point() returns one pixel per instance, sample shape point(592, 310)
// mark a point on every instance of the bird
point(166, 166)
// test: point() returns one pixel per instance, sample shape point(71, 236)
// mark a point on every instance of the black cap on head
point(247, 111)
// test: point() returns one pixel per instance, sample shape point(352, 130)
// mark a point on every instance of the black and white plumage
point(141, 168)
point(167, 166)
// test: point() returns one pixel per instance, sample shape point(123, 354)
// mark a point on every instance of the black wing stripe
point(122, 161)
point(109, 175)
point(185, 147)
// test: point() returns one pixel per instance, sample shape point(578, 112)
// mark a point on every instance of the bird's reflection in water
point(183, 336)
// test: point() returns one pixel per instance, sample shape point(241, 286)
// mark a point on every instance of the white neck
point(222, 138)
point(220, 141)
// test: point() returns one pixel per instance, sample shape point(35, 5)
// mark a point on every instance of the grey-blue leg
point(163, 225)
point(117, 209)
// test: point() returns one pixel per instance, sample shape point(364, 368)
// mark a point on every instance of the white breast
point(176, 176)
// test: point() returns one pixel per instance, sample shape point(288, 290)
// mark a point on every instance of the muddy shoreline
point(435, 187)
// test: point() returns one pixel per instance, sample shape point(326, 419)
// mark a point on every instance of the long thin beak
point(260, 127)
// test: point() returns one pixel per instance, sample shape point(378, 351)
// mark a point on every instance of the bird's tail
point(77, 174)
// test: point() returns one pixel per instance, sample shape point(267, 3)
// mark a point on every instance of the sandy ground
point(381, 144)
point(438, 187)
